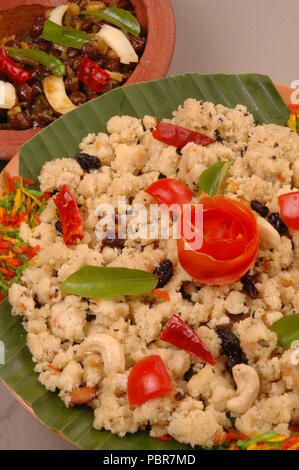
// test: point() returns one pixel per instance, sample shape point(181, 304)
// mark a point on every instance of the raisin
point(189, 374)
point(260, 208)
point(88, 162)
point(276, 222)
point(161, 176)
point(185, 294)
point(37, 304)
point(179, 151)
point(113, 242)
point(249, 286)
point(230, 347)
point(90, 317)
point(179, 396)
point(58, 227)
point(164, 272)
point(218, 137)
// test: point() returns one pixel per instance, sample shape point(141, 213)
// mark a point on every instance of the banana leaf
point(159, 98)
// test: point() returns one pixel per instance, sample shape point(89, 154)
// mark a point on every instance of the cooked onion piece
point(57, 14)
point(8, 96)
point(119, 43)
point(54, 90)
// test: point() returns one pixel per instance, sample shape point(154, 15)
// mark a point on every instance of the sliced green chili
point(64, 35)
point(118, 17)
point(49, 61)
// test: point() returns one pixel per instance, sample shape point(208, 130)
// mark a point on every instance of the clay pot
point(155, 15)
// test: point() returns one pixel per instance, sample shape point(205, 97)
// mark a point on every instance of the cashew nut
point(109, 348)
point(248, 386)
point(270, 238)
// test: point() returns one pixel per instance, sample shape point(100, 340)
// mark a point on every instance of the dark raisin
point(90, 317)
point(179, 396)
point(259, 208)
point(25, 93)
point(185, 294)
point(37, 26)
point(189, 374)
point(88, 162)
point(78, 97)
point(161, 176)
point(71, 84)
point(230, 347)
point(112, 65)
point(20, 121)
point(72, 52)
point(249, 286)
point(113, 242)
point(179, 151)
point(164, 272)
point(37, 304)
point(90, 50)
point(276, 222)
point(276, 145)
point(138, 43)
point(218, 137)
point(58, 227)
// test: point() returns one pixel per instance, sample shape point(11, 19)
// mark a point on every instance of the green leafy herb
point(99, 282)
point(287, 330)
point(212, 179)
point(118, 17)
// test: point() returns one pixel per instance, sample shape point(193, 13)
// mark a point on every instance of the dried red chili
point(178, 136)
point(178, 333)
point(13, 70)
point(69, 215)
point(92, 75)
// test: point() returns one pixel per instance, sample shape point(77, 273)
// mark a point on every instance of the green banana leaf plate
point(159, 98)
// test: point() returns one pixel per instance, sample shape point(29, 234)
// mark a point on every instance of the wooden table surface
point(212, 36)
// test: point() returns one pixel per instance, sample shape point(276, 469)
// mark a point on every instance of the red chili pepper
point(178, 136)
point(70, 217)
point(233, 435)
point(13, 262)
point(7, 272)
point(92, 75)
point(13, 70)
point(178, 333)
point(27, 181)
point(163, 438)
point(294, 108)
point(29, 250)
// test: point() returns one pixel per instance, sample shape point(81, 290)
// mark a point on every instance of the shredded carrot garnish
point(162, 294)
point(163, 438)
point(18, 204)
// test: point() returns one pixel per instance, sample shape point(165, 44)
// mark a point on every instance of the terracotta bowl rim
point(161, 35)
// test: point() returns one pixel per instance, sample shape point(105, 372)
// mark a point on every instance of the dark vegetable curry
point(53, 60)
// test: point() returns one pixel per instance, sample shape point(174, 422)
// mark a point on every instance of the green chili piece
point(49, 61)
point(64, 35)
point(118, 17)
point(263, 438)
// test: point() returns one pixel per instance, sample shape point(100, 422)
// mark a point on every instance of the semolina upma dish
point(195, 344)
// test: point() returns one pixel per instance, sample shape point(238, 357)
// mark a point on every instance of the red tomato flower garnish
point(289, 209)
point(148, 379)
point(230, 242)
point(170, 191)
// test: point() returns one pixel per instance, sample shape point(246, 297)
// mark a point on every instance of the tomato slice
point(289, 209)
point(177, 136)
point(170, 191)
point(148, 379)
point(230, 242)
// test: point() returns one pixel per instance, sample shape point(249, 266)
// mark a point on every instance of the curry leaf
point(287, 330)
point(212, 179)
point(95, 282)
point(118, 17)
